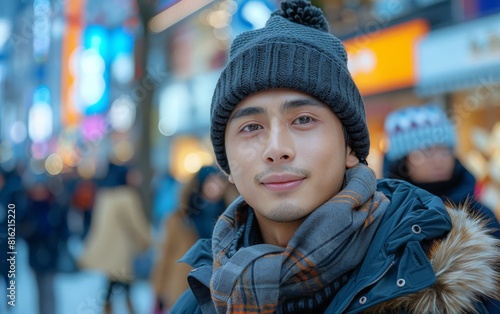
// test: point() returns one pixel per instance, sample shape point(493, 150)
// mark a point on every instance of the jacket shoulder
point(465, 265)
point(449, 262)
point(200, 254)
point(407, 199)
point(394, 188)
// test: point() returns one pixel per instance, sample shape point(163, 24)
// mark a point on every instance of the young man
point(313, 231)
point(422, 141)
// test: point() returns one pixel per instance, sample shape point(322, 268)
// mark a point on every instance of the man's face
point(287, 153)
point(431, 165)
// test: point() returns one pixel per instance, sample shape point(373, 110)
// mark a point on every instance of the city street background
point(108, 102)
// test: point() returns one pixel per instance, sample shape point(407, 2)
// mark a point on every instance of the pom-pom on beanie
point(418, 128)
point(294, 50)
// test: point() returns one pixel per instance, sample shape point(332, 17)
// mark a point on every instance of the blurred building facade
point(64, 79)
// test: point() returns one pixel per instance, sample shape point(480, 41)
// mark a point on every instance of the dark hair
point(349, 142)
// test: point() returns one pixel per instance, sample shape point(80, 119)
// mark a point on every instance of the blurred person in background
point(63, 187)
point(422, 143)
point(10, 194)
point(202, 200)
point(119, 231)
point(166, 197)
point(83, 201)
point(45, 231)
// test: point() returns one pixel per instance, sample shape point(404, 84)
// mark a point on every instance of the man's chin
point(286, 212)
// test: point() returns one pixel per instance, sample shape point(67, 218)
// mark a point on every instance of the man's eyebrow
point(245, 112)
point(299, 102)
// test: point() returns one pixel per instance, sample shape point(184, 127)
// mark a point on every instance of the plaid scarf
point(329, 244)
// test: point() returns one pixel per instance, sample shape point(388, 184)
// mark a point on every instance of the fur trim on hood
point(466, 264)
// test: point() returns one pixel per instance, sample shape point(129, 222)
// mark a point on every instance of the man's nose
point(279, 145)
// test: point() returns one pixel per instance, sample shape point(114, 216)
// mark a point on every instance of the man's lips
point(282, 182)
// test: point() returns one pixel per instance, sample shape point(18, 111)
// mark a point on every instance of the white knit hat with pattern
point(418, 128)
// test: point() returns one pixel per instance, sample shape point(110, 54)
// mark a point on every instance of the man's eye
point(303, 120)
point(251, 128)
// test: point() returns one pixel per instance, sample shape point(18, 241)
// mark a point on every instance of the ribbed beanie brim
point(285, 54)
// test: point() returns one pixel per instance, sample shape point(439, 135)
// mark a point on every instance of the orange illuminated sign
point(71, 42)
point(384, 60)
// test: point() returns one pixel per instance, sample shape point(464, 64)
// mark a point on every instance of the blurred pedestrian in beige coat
point(118, 233)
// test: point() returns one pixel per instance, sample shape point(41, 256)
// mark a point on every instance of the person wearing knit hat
point(422, 142)
point(313, 231)
point(418, 128)
point(424, 136)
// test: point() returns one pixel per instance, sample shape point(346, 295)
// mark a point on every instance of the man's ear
point(230, 178)
point(351, 159)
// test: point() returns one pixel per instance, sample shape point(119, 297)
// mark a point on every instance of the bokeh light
point(54, 164)
point(121, 115)
point(124, 151)
point(86, 168)
point(40, 117)
point(18, 132)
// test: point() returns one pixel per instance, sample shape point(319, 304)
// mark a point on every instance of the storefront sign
point(383, 60)
point(460, 57)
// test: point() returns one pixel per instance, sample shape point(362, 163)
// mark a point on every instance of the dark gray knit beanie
point(294, 50)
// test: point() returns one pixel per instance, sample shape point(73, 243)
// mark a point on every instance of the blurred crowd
point(117, 236)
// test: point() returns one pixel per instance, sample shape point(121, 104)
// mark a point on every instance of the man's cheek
point(242, 160)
